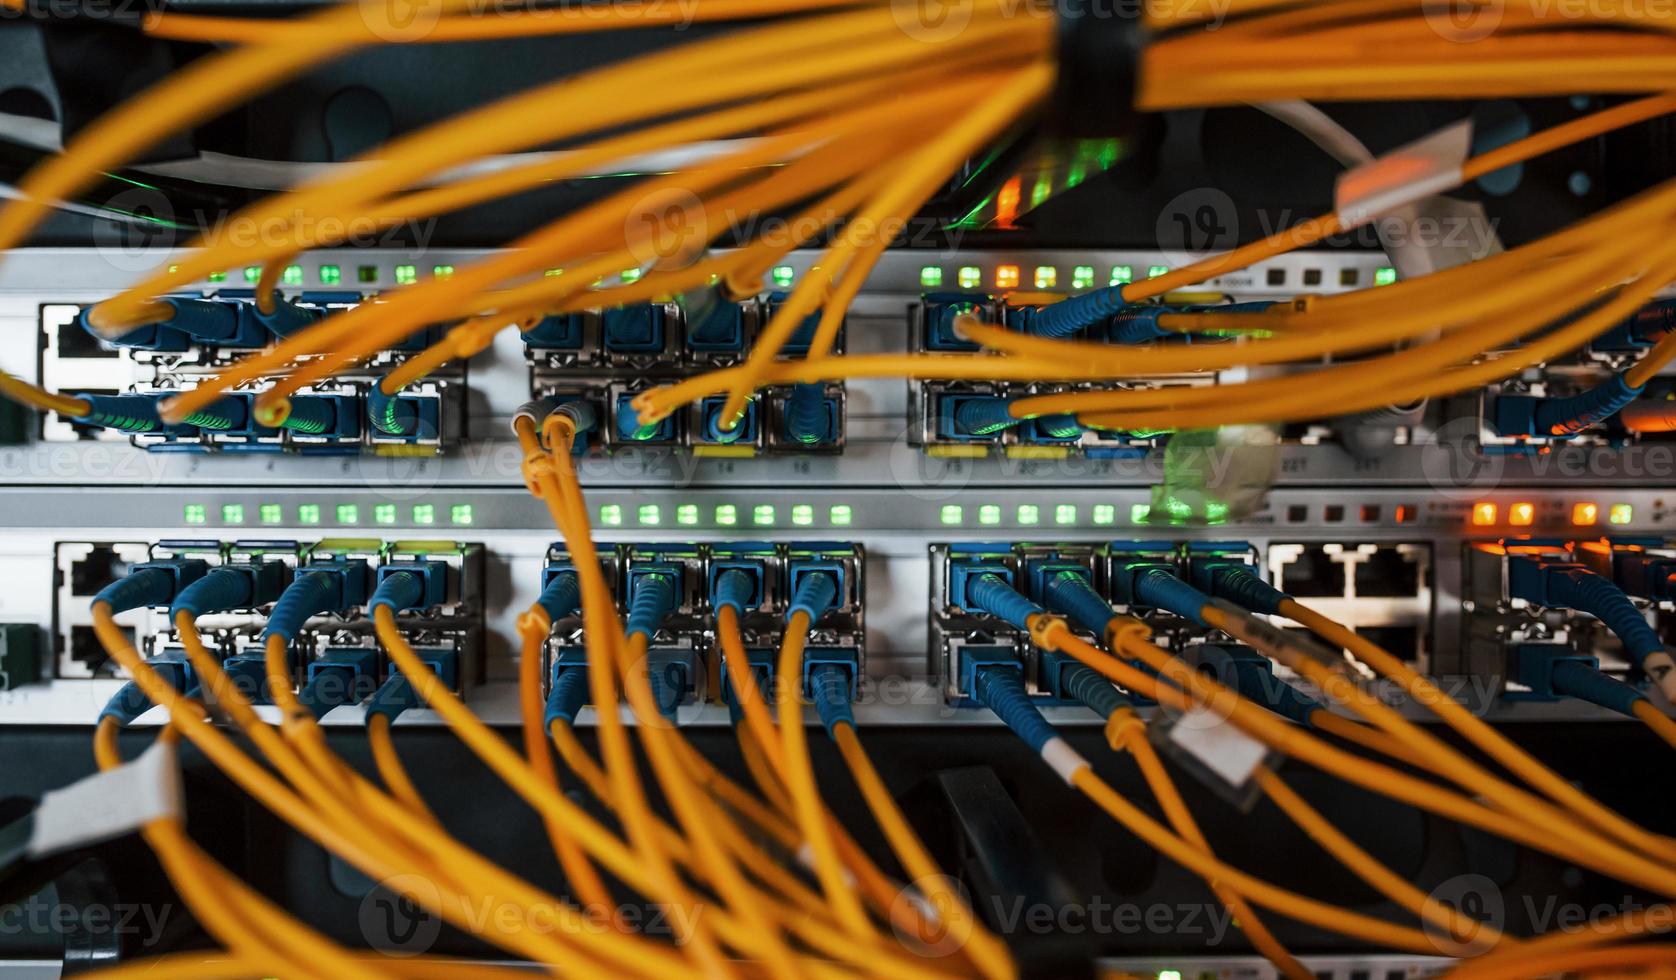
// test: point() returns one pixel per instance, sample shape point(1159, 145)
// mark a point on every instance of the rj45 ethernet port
point(1308, 570)
point(1389, 572)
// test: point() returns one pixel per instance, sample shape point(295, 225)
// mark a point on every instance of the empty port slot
point(99, 568)
point(1387, 573)
point(73, 341)
point(1313, 573)
point(1401, 641)
point(86, 649)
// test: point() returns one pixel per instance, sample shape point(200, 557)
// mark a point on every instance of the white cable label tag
point(1428, 166)
point(1270, 640)
point(1230, 754)
point(110, 804)
point(1062, 759)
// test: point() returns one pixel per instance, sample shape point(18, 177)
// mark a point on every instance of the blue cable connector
point(1565, 585)
point(808, 419)
point(130, 701)
point(320, 588)
point(240, 586)
point(567, 697)
point(817, 593)
point(1066, 317)
point(984, 416)
point(390, 414)
point(1238, 583)
point(829, 688)
point(1001, 690)
point(734, 588)
point(561, 597)
point(990, 593)
point(287, 318)
point(125, 413)
point(1571, 415)
point(651, 598)
point(1084, 685)
point(1071, 594)
point(152, 583)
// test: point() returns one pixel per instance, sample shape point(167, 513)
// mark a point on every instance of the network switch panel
point(606, 358)
point(345, 415)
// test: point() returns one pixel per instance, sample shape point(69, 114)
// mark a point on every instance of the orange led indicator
point(1521, 514)
point(1484, 514)
point(1006, 277)
point(1585, 514)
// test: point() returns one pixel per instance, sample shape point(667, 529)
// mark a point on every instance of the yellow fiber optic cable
point(1287, 738)
point(1181, 818)
point(1385, 881)
point(1477, 732)
point(464, 26)
point(800, 780)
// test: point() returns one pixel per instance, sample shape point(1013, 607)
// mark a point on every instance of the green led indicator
point(686, 514)
point(1065, 514)
point(1138, 513)
point(762, 515)
point(952, 514)
point(194, 514)
point(1082, 277)
point(989, 514)
point(650, 515)
point(969, 277)
point(1620, 514)
point(407, 275)
point(366, 273)
point(1384, 276)
point(840, 515)
point(271, 514)
point(1122, 274)
point(308, 513)
point(348, 514)
point(1046, 277)
point(551, 273)
point(424, 514)
point(631, 275)
point(218, 277)
point(802, 515)
point(931, 276)
point(784, 275)
point(232, 513)
point(1105, 514)
point(331, 275)
point(1154, 271)
point(252, 273)
point(442, 271)
point(292, 276)
point(460, 513)
point(1169, 975)
point(384, 513)
point(1029, 514)
point(611, 515)
point(727, 515)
